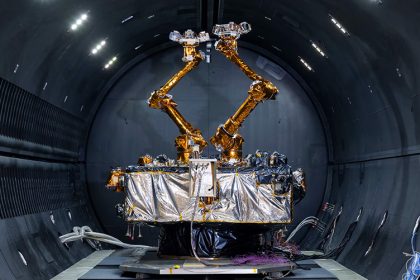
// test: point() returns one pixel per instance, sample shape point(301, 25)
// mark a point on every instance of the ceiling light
point(318, 49)
point(78, 22)
point(16, 68)
point(110, 62)
point(305, 64)
point(98, 47)
point(276, 48)
point(339, 26)
point(127, 19)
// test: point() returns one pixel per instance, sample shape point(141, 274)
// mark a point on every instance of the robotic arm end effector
point(190, 40)
point(231, 29)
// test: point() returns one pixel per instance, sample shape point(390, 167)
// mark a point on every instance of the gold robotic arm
point(160, 99)
point(227, 140)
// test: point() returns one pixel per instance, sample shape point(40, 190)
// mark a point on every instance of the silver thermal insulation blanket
point(163, 197)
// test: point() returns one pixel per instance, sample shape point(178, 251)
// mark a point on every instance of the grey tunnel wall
point(52, 88)
point(42, 187)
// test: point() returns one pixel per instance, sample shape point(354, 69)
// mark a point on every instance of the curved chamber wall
point(42, 186)
point(125, 127)
point(367, 87)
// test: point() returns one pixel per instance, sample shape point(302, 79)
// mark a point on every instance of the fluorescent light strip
point(98, 47)
point(110, 62)
point(127, 19)
point(318, 49)
point(276, 48)
point(339, 26)
point(79, 21)
point(305, 64)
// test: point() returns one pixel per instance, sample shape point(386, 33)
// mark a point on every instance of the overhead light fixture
point(339, 25)
point(78, 22)
point(127, 19)
point(110, 62)
point(318, 49)
point(306, 64)
point(276, 48)
point(16, 68)
point(98, 47)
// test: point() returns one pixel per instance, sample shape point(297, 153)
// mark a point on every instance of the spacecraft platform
point(110, 264)
point(157, 266)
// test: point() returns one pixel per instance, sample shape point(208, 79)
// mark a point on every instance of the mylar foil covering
point(162, 197)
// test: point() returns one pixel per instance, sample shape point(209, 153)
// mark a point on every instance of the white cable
point(85, 232)
point(309, 220)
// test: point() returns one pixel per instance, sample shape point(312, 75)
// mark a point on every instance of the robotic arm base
point(229, 145)
point(184, 148)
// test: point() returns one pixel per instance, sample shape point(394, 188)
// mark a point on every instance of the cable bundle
point(85, 232)
point(413, 264)
point(311, 220)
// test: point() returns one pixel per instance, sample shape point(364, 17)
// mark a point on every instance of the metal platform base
point(193, 267)
point(105, 265)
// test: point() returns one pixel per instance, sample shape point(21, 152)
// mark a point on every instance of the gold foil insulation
point(160, 99)
point(227, 140)
point(114, 181)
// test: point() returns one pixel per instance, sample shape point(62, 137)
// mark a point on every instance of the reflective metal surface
point(164, 197)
